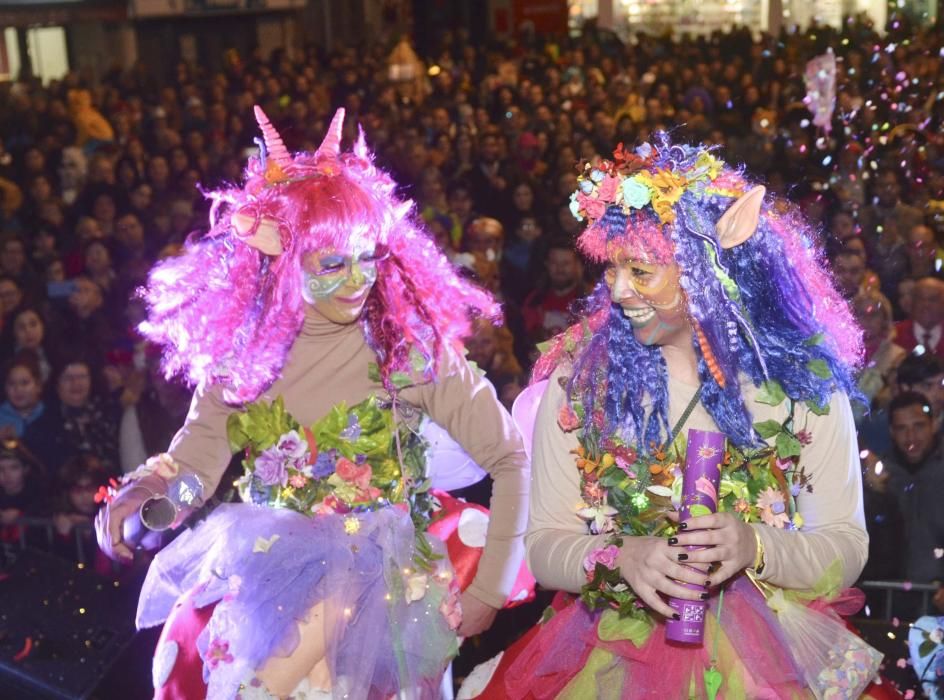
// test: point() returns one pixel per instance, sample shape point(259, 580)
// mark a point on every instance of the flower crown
point(634, 180)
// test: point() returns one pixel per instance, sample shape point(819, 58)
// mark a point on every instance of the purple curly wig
point(768, 309)
point(225, 312)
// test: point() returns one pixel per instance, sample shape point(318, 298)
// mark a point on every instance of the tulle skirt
point(577, 654)
point(388, 626)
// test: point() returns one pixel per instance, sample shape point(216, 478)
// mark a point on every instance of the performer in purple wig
point(320, 328)
point(716, 313)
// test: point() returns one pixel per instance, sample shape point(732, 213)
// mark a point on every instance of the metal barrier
point(32, 528)
point(927, 590)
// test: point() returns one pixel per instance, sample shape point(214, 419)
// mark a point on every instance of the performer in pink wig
point(320, 328)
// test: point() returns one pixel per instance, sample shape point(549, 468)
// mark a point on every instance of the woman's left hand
point(731, 542)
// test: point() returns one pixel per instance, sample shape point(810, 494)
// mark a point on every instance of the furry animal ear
point(740, 221)
point(265, 238)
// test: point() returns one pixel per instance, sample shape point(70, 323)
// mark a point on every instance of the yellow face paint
point(651, 298)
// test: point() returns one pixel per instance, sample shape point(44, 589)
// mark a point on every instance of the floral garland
point(348, 462)
point(626, 493)
point(630, 181)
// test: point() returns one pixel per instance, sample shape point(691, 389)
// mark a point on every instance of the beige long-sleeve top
point(557, 541)
point(328, 364)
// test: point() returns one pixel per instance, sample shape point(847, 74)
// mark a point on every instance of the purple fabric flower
point(352, 432)
point(270, 467)
point(292, 446)
point(324, 464)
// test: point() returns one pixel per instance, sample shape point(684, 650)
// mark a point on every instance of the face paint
point(337, 285)
point(651, 298)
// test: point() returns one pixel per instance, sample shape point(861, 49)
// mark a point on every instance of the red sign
point(547, 16)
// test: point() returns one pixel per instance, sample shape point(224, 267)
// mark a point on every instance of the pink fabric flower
point(357, 474)
point(298, 481)
point(451, 607)
point(218, 653)
point(608, 189)
point(604, 555)
point(593, 207)
point(567, 419)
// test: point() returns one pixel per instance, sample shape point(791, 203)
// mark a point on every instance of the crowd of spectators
point(98, 180)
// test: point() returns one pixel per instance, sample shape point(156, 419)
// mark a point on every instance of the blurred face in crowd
point(564, 269)
point(887, 189)
point(40, 190)
point(873, 319)
point(485, 235)
point(104, 208)
point(843, 225)
point(337, 282)
point(75, 385)
point(55, 271)
point(158, 171)
point(849, 269)
point(483, 345)
point(13, 256)
point(651, 299)
point(97, 258)
point(460, 203)
point(28, 330)
point(82, 495)
point(921, 249)
point(523, 197)
point(23, 389)
point(129, 232)
point(140, 197)
point(912, 429)
point(931, 387)
point(10, 296)
point(87, 297)
point(528, 229)
point(927, 306)
point(12, 475)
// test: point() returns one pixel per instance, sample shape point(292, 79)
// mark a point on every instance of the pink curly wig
point(226, 312)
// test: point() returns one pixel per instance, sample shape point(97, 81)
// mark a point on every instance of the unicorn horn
point(331, 146)
point(275, 149)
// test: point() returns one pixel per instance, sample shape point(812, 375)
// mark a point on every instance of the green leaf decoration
point(373, 372)
point(544, 347)
point(697, 510)
point(713, 681)
point(927, 647)
point(815, 339)
point(768, 428)
point(788, 446)
point(418, 362)
point(819, 368)
point(771, 393)
point(816, 409)
point(401, 380)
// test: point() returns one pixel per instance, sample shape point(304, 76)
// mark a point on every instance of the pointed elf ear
point(740, 221)
point(266, 237)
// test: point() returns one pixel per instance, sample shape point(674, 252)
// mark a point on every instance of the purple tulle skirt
point(387, 625)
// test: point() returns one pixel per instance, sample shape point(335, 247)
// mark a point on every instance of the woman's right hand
point(650, 566)
point(109, 523)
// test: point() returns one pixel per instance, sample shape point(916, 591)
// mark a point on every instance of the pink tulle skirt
point(565, 657)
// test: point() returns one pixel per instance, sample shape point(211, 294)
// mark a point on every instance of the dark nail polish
point(676, 616)
point(673, 540)
point(683, 526)
point(704, 596)
point(683, 556)
point(707, 584)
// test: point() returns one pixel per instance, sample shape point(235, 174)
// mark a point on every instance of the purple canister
point(700, 482)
